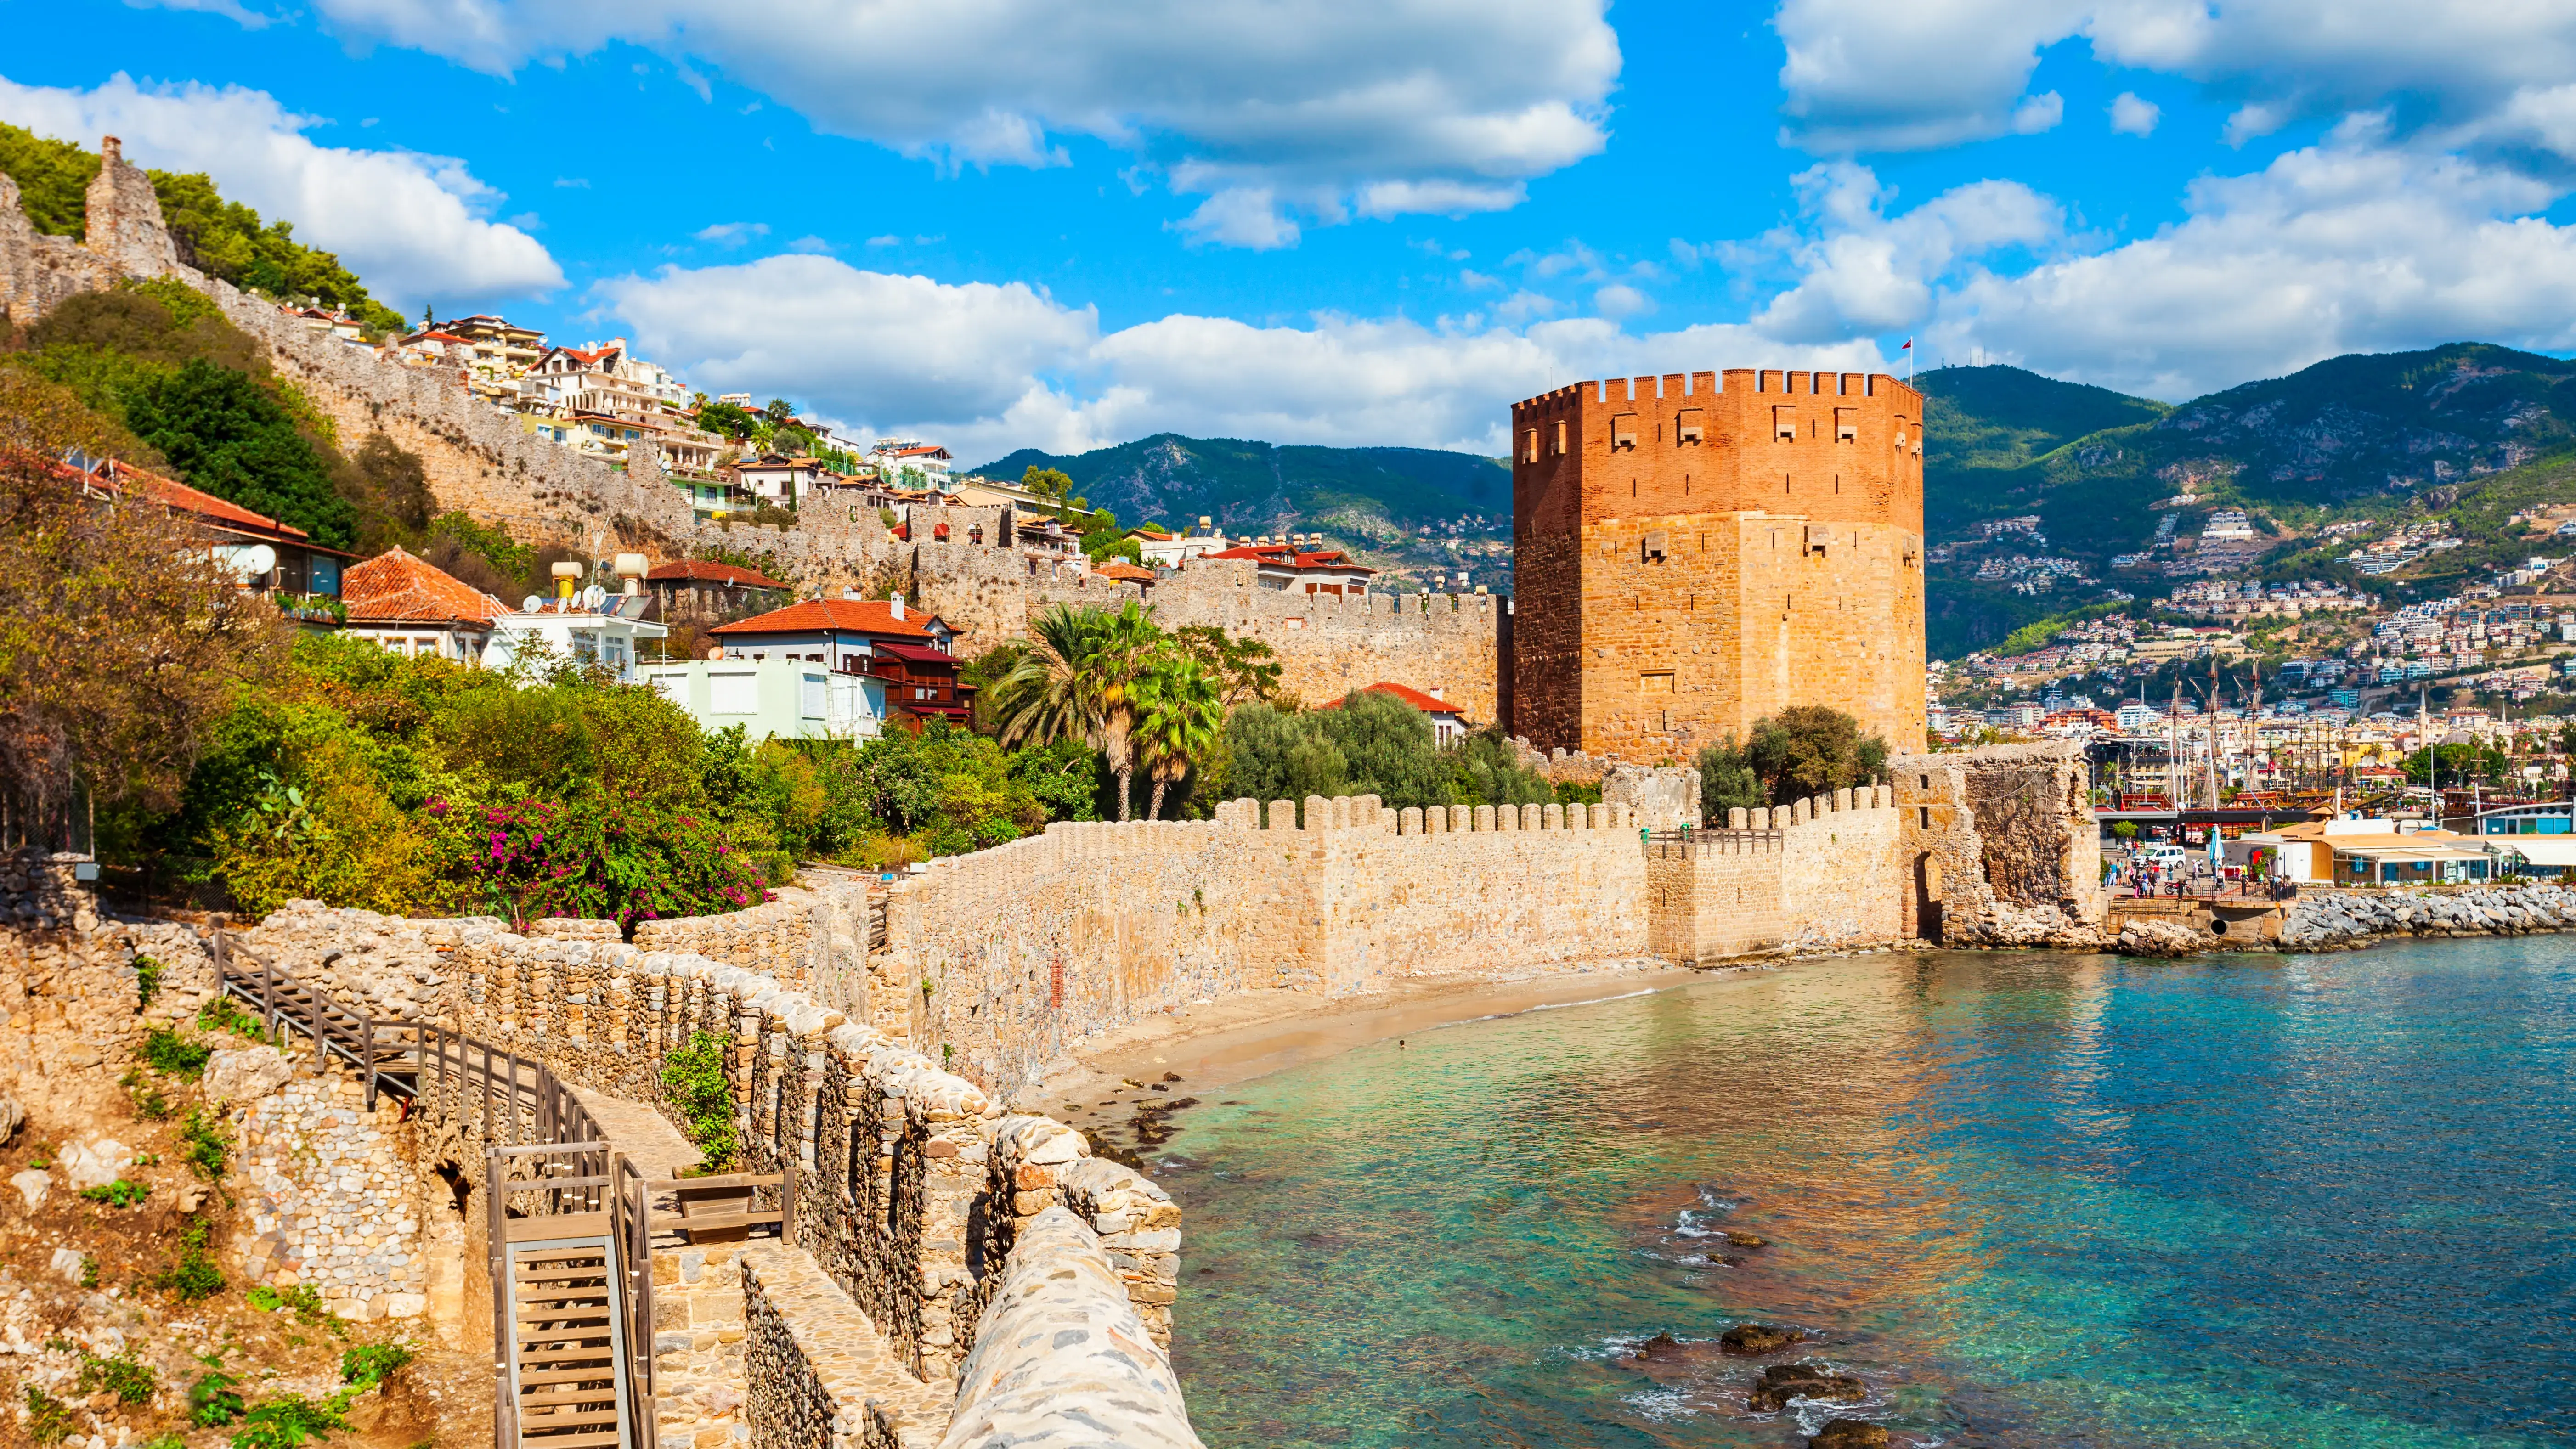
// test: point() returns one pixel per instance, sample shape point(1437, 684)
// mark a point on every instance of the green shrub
point(193, 1274)
point(303, 1299)
point(370, 1364)
point(694, 1076)
point(124, 1376)
point(89, 1270)
point(222, 1014)
point(289, 1420)
point(172, 1054)
point(49, 1419)
point(147, 981)
point(120, 1193)
point(208, 1153)
point(212, 1404)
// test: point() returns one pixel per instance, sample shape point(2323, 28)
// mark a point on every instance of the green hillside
point(1259, 487)
point(1982, 426)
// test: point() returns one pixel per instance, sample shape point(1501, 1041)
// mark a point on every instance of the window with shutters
point(733, 693)
point(1784, 422)
point(1687, 427)
point(1623, 431)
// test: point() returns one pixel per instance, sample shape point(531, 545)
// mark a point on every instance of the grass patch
point(174, 1055)
point(370, 1364)
point(124, 1376)
point(149, 1102)
point(207, 1152)
point(119, 1193)
point(49, 1419)
point(222, 1014)
point(302, 1299)
point(212, 1404)
point(193, 1275)
point(147, 981)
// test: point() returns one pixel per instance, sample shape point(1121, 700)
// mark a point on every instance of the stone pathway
point(646, 1137)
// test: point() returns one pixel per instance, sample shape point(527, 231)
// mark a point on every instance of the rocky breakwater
point(2347, 920)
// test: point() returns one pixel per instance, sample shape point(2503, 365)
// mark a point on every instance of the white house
point(1171, 550)
point(590, 628)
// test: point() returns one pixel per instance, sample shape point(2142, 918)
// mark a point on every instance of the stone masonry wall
point(333, 1203)
point(1999, 846)
point(1009, 957)
point(1816, 875)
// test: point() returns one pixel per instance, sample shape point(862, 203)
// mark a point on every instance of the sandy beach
point(1209, 1045)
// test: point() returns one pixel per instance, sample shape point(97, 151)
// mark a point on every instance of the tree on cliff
point(120, 638)
point(1806, 749)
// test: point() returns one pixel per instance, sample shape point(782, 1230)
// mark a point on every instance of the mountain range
point(2468, 431)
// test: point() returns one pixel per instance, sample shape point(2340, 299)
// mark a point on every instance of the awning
point(2549, 850)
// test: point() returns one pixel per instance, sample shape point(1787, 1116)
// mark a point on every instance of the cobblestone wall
point(334, 1203)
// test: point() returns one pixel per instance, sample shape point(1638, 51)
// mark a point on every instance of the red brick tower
point(1691, 555)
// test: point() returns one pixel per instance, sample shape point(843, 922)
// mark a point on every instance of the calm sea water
point(2030, 1199)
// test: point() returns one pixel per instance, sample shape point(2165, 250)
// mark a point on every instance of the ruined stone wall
point(1999, 846)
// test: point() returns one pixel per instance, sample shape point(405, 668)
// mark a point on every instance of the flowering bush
point(625, 861)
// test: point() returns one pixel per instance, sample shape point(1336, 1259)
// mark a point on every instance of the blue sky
point(1006, 223)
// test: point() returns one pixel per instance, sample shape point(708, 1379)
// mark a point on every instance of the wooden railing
point(721, 1203)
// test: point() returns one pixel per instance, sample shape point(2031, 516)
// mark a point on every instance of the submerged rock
point(1782, 1382)
point(1746, 1240)
point(1757, 1338)
point(1662, 1345)
point(1850, 1434)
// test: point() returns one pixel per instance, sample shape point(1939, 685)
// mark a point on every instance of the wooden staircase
point(568, 1341)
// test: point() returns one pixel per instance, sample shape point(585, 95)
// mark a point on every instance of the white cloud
point(1619, 301)
point(412, 227)
point(991, 368)
point(1316, 111)
point(732, 233)
point(2038, 113)
point(2132, 116)
point(1864, 272)
point(2349, 246)
point(1902, 74)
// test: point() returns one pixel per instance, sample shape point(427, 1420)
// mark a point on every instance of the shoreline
point(1215, 1044)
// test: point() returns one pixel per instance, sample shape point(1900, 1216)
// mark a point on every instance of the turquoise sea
point(2321, 1202)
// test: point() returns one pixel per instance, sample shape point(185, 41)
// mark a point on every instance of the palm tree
point(1077, 680)
point(1180, 710)
point(1047, 695)
point(1129, 648)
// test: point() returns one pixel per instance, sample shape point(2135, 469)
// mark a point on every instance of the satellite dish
point(254, 562)
point(532, 603)
point(593, 597)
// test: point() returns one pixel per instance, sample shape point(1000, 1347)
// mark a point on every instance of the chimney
point(894, 604)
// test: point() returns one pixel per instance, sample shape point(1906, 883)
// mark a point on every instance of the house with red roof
point(260, 551)
point(417, 609)
point(1298, 569)
point(907, 649)
point(1448, 726)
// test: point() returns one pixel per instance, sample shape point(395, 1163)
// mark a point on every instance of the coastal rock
point(1753, 1338)
point(1849, 1434)
point(1661, 1346)
point(2150, 937)
point(1746, 1240)
point(1782, 1382)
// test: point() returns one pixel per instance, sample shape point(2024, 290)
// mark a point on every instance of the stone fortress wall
point(1999, 846)
point(1695, 551)
point(486, 463)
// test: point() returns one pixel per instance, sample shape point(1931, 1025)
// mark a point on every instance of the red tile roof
point(1423, 702)
point(850, 616)
point(395, 587)
point(194, 500)
point(703, 571)
point(914, 653)
point(1126, 573)
point(1282, 556)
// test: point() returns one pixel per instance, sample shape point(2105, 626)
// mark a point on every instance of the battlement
point(1664, 387)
